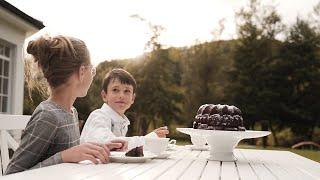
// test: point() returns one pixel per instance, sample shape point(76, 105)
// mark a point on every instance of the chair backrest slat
point(9, 122)
point(12, 122)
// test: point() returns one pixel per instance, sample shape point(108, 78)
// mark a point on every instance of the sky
point(111, 33)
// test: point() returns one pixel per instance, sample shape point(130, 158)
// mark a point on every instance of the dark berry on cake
point(225, 110)
point(207, 110)
point(201, 109)
point(195, 125)
point(238, 111)
point(214, 110)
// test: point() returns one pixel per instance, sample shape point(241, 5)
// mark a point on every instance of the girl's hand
point(86, 151)
point(162, 131)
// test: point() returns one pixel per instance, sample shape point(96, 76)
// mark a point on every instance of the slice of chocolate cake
point(135, 152)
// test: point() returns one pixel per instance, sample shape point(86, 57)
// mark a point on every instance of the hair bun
point(40, 50)
point(31, 49)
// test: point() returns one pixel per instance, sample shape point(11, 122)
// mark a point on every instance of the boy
point(109, 122)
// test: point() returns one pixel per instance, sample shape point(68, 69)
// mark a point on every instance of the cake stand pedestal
point(221, 147)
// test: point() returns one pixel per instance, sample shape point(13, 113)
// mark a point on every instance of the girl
point(52, 134)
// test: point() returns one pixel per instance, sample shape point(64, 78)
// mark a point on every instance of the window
point(5, 56)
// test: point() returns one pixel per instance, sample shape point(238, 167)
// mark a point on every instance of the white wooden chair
point(10, 122)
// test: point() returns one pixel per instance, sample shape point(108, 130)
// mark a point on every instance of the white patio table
point(187, 164)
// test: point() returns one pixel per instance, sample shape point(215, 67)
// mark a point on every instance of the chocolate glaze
point(219, 117)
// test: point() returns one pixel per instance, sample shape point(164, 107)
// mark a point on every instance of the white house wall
point(12, 35)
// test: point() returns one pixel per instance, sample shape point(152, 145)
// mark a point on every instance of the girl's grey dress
point(50, 130)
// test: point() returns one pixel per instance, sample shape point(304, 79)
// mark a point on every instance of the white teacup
point(172, 143)
point(156, 145)
point(198, 141)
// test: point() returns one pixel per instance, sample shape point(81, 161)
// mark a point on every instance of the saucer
point(198, 148)
point(164, 155)
point(171, 147)
point(120, 157)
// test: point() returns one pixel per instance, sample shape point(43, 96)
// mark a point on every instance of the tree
point(158, 95)
point(203, 76)
point(251, 81)
point(299, 67)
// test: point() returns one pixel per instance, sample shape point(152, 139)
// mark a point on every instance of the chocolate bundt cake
point(135, 152)
point(219, 117)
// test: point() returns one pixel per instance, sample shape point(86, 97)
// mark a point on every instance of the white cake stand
point(222, 143)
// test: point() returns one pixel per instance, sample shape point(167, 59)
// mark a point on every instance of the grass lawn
point(310, 154)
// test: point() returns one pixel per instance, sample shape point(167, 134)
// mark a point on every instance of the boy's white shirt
point(105, 124)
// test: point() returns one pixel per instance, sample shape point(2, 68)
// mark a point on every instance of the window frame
point(9, 59)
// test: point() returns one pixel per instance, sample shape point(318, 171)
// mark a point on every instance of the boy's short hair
point(122, 75)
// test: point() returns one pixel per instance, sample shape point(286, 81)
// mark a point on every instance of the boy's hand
point(86, 151)
point(118, 145)
point(162, 131)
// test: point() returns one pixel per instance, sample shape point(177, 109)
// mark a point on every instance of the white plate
point(198, 148)
point(120, 157)
point(222, 143)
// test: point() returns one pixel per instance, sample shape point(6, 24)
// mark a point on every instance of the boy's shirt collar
point(105, 107)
